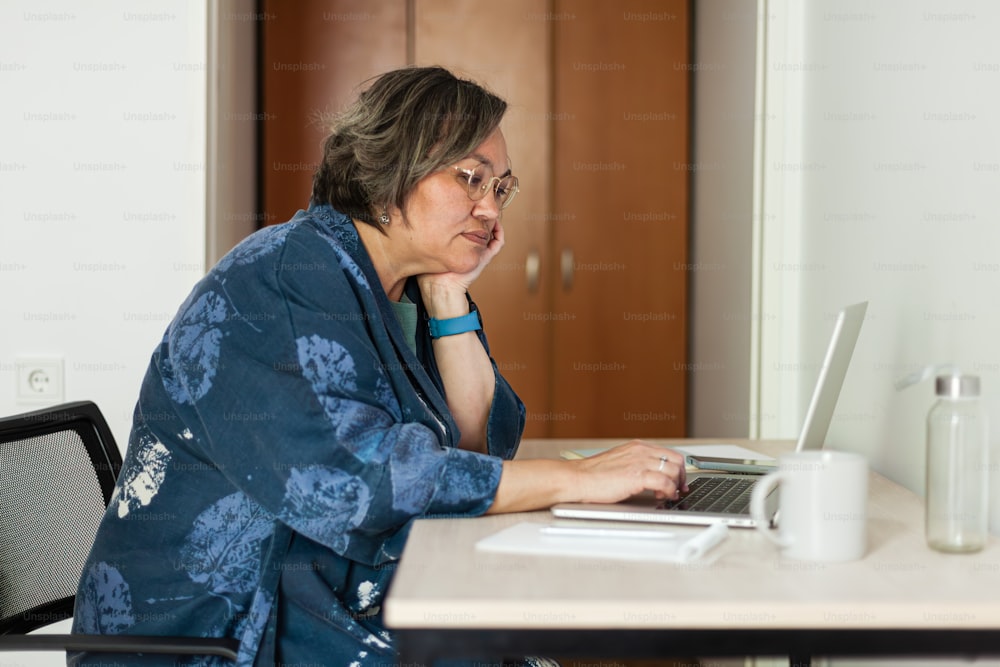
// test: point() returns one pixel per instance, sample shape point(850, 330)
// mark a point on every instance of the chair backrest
point(58, 468)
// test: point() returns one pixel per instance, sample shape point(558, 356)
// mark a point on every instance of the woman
point(327, 382)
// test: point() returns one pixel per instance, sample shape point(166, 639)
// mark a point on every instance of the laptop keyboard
point(724, 495)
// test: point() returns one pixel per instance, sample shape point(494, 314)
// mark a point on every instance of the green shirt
point(406, 313)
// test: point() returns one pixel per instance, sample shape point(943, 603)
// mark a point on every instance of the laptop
point(724, 497)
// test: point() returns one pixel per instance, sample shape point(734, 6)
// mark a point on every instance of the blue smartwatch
point(455, 325)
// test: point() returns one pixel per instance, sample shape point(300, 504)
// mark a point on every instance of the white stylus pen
point(580, 531)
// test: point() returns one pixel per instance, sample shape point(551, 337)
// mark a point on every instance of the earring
point(384, 218)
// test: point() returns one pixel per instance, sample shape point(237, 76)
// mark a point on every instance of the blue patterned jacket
point(284, 439)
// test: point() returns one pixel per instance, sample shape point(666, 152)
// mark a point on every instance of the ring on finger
point(663, 462)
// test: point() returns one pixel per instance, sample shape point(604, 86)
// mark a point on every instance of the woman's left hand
point(460, 282)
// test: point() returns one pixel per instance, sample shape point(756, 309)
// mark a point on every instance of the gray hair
point(409, 123)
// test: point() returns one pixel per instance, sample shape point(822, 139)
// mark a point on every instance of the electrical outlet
point(39, 380)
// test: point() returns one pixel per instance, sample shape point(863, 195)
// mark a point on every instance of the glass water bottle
point(957, 467)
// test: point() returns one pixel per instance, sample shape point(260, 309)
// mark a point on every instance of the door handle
point(566, 267)
point(532, 269)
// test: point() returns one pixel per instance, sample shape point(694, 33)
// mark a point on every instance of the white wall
point(102, 187)
point(102, 193)
point(721, 213)
point(881, 164)
point(879, 168)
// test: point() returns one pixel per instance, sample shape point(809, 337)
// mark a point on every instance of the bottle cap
point(957, 386)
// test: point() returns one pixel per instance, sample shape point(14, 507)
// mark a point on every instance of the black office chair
point(58, 468)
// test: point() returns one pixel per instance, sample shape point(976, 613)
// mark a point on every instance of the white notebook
point(677, 545)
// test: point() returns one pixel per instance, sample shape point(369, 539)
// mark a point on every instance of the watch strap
point(455, 325)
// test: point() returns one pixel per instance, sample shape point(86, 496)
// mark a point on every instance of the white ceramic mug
point(822, 513)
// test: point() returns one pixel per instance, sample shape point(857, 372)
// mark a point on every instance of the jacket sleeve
point(274, 364)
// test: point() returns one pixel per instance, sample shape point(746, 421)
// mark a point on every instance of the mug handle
point(760, 492)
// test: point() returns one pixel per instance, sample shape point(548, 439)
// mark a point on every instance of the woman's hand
point(431, 283)
point(628, 469)
point(608, 477)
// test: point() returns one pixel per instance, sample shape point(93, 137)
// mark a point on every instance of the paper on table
point(717, 449)
point(723, 450)
point(683, 545)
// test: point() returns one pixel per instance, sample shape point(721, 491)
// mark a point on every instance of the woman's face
point(447, 231)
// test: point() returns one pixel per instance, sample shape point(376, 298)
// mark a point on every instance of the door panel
point(620, 172)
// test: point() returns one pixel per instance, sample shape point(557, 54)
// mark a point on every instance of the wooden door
point(620, 187)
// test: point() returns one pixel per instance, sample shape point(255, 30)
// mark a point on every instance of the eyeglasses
point(480, 180)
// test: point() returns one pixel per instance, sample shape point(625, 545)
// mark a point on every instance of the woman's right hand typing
point(608, 477)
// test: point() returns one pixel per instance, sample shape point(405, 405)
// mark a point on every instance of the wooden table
point(448, 599)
